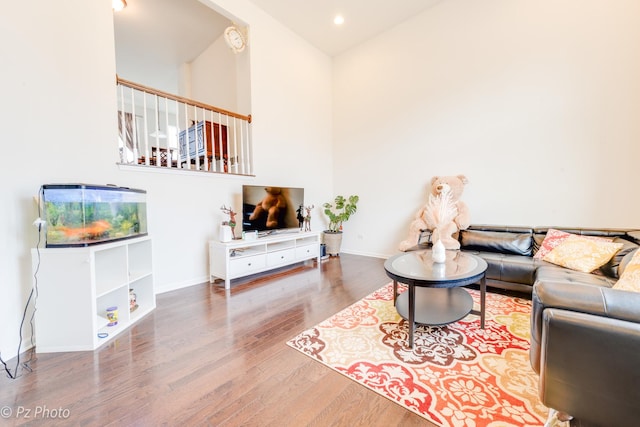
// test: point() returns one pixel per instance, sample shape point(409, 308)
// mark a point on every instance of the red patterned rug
point(456, 375)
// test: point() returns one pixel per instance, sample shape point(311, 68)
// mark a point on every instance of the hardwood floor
point(207, 356)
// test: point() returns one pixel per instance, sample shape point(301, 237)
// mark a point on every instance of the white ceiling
point(363, 19)
point(156, 36)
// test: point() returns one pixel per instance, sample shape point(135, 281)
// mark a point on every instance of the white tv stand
point(76, 285)
point(239, 258)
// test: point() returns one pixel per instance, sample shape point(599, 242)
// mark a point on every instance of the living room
point(534, 102)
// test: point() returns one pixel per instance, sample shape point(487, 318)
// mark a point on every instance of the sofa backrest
point(520, 240)
point(500, 239)
point(634, 236)
point(626, 259)
point(614, 267)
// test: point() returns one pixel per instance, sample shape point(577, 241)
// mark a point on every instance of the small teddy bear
point(274, 205)
point(444, 201)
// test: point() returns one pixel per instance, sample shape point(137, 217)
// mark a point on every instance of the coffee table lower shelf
point(436, 306)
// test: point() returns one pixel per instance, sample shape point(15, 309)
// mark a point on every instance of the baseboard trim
point(181, 285)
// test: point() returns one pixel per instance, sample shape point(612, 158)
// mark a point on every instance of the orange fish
point(96, 228)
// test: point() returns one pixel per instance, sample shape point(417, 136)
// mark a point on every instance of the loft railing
point(162, 130)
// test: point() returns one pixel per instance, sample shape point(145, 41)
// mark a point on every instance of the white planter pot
point(333, 242)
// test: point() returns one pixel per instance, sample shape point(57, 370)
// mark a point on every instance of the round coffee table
point(439, 298)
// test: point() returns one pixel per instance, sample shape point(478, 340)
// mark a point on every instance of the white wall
point(214, 75)
point(59, 121)
point(536, 102)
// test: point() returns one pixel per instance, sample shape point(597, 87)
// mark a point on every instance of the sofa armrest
point(593, 300)
point(589, 368)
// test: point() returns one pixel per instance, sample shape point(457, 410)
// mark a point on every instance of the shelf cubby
point(76, 286)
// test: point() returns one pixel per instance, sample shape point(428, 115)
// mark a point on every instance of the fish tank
point(84, 215)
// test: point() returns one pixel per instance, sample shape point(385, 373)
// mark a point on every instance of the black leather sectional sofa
point(585, 336)
point(509, 253)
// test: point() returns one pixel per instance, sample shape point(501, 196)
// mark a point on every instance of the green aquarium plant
point(340, 211)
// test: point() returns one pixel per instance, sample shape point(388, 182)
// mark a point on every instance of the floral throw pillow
point(554, 237)
point(582, 254)
point(630, 279)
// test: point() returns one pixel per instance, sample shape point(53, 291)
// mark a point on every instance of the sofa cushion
point(582, 254)
point(625, 261)
point(612, 267)
point(553, 274)
point(539, 234)
point(554, 237)
point(630, 279)
point(497, 241)
point(509, 268)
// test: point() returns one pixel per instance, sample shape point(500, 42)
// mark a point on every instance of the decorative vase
point(226, 234)
point(438, 252)
point(439, 269)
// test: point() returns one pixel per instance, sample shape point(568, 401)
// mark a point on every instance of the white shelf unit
point(239, 258)
point(76, 285)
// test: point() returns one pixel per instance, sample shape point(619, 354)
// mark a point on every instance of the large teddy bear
point(444, 214)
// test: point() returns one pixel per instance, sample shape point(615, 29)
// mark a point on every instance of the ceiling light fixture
point(338, 20)
point(118, 5)
point(158, 134)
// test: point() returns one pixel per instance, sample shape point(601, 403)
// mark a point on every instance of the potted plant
point(337, 214)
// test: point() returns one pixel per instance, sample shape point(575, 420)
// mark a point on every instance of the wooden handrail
point(167, 95)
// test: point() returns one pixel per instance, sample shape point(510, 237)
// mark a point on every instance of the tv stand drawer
point(307, 251)
point(286, 256)
point(247, 265)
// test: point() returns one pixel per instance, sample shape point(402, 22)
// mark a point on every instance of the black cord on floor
point(34, 291)
point(6, 368)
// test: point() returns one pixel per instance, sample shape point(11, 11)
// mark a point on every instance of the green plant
point(341, 212)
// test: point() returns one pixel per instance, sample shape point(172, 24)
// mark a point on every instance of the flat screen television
point(271, 209)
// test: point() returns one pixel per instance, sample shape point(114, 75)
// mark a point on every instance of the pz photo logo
point(37, 412)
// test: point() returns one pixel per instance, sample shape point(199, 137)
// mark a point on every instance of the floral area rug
point(455, 375)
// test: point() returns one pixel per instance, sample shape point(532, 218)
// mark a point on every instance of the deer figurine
point(307, 217)
point(232, 219)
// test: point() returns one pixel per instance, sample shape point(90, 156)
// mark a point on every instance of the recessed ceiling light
point(118, 5)
point(338, 20)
